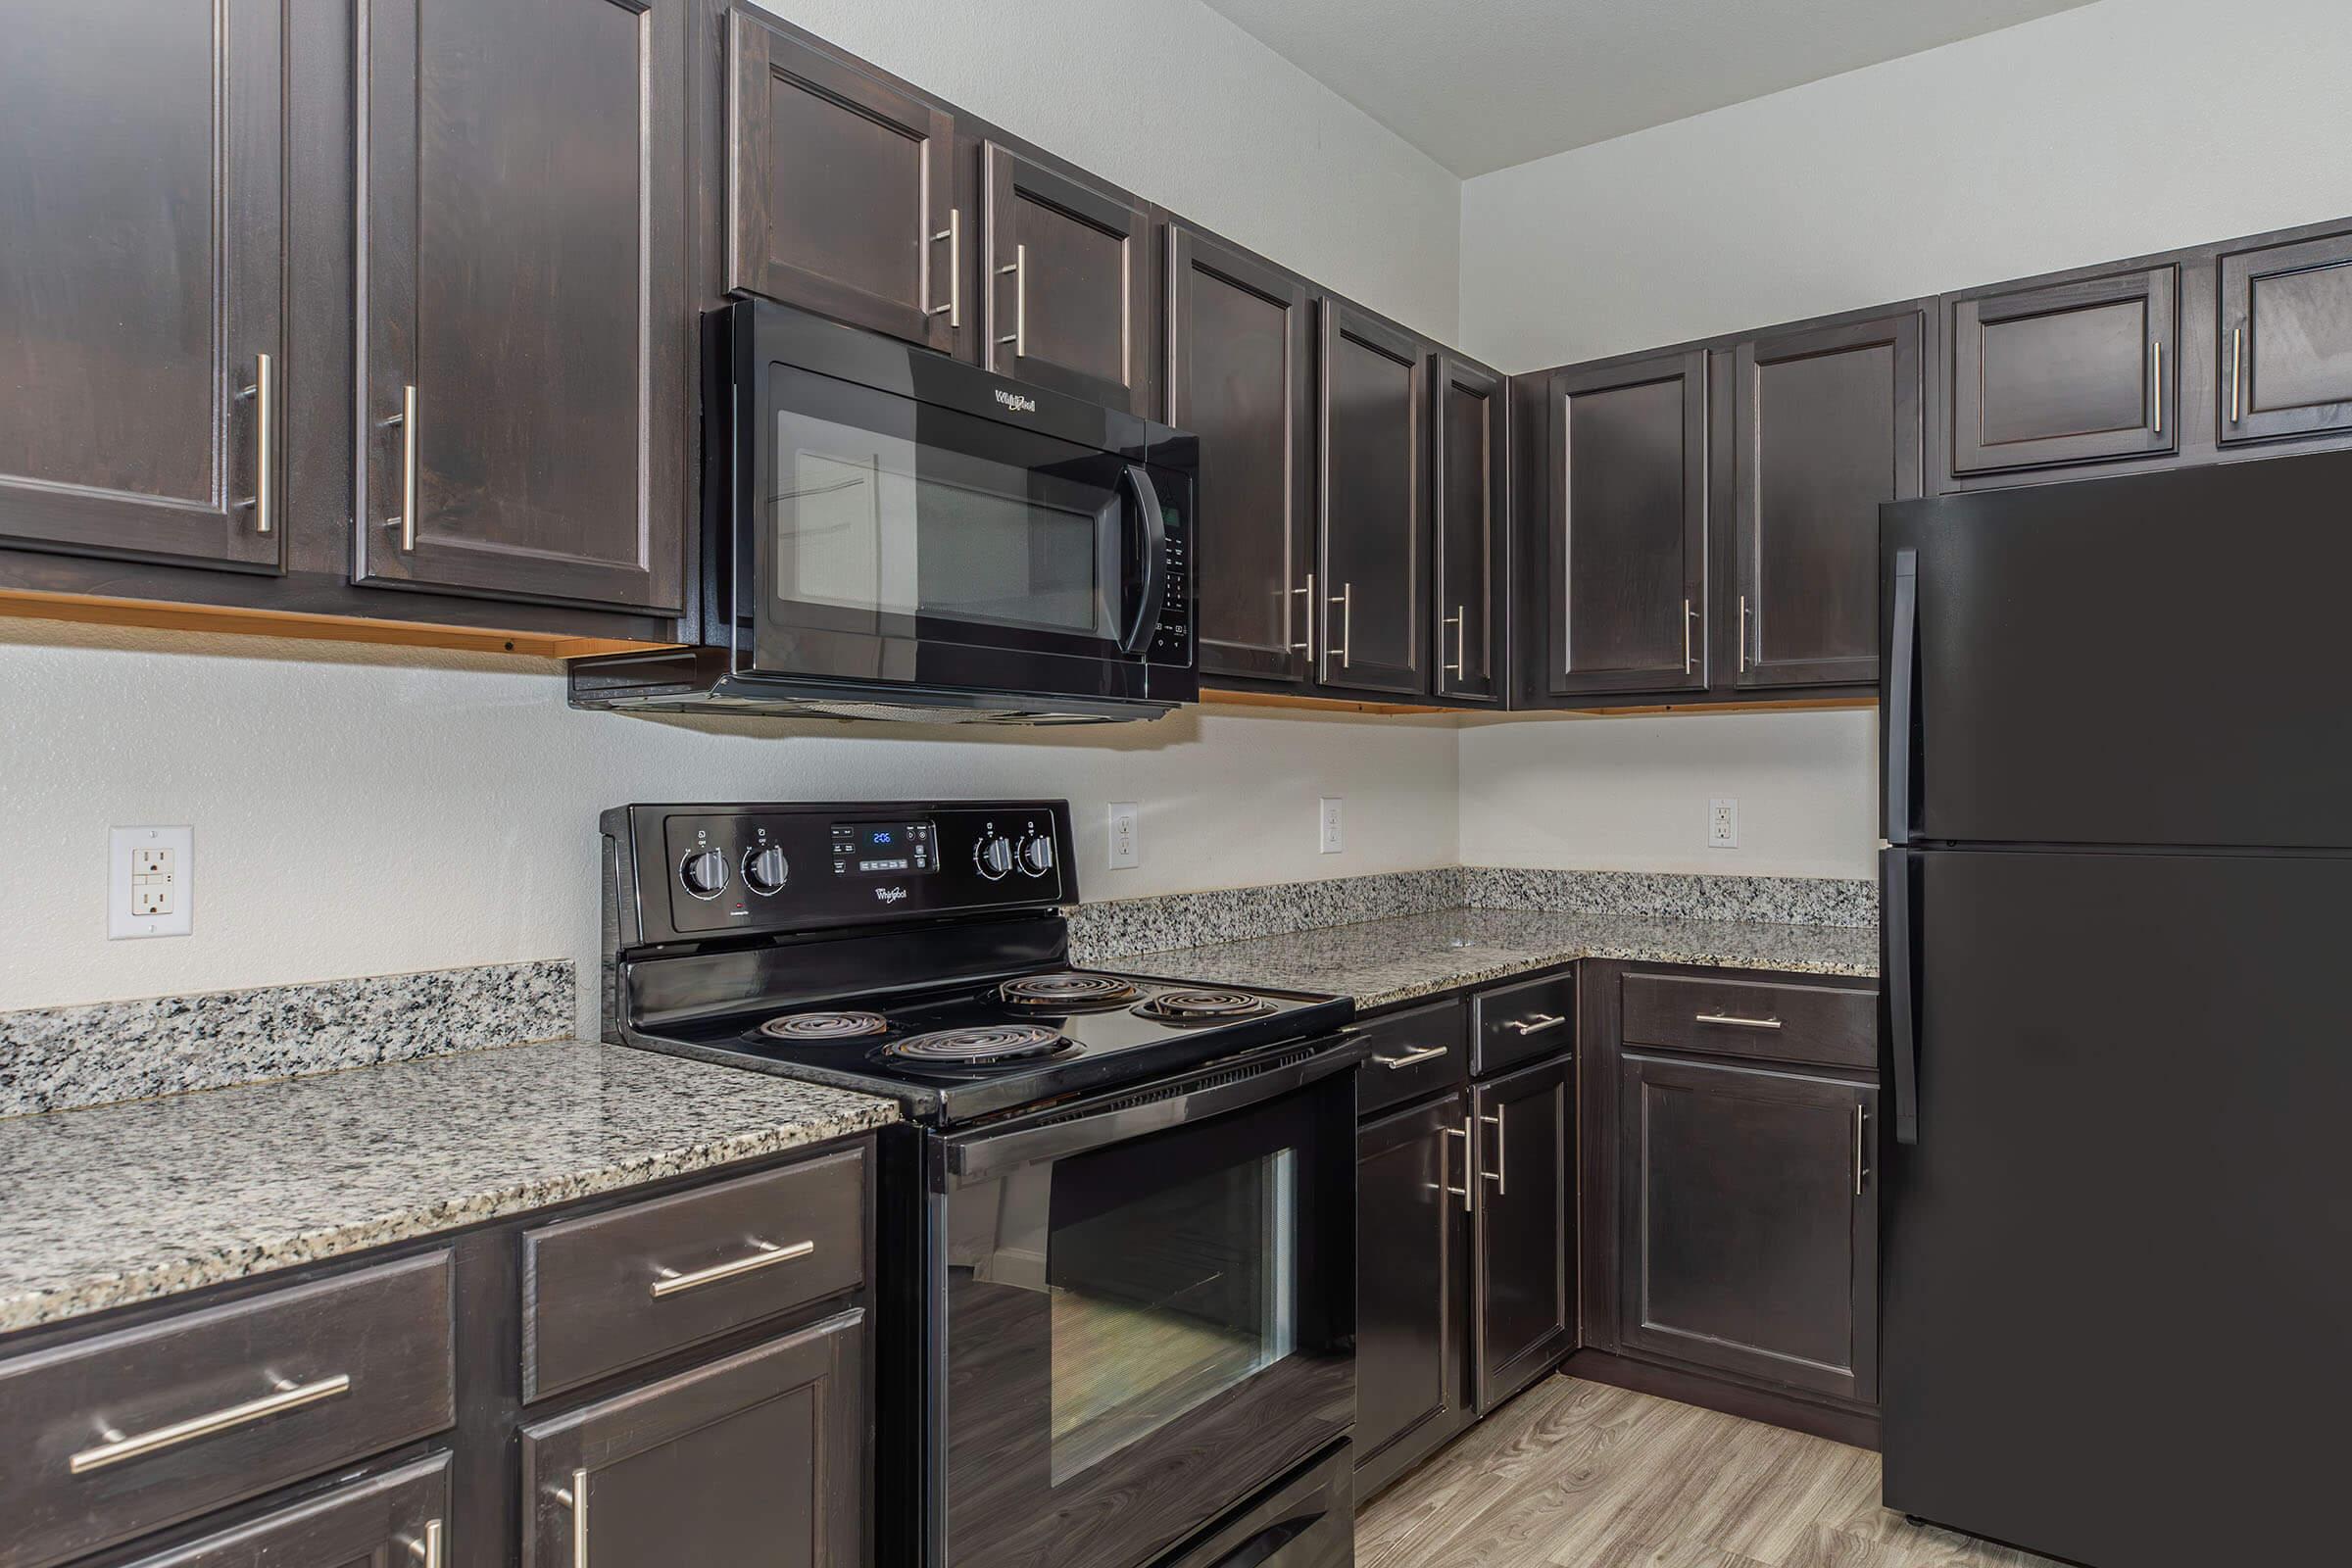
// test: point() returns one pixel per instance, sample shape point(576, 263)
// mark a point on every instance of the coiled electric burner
point(1067, 990)
point(825, 1026)
point(1203, 1006)
point(977, 1047)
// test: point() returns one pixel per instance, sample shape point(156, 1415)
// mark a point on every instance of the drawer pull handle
point(428, 1550)
point(575, 1498)
point(290, 1396)
point(1733, 1020)
point(1411, 1058)
point(768, 1257)
point(1535, 1025)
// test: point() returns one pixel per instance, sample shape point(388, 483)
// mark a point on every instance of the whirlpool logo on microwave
point(1015, 402)
point(890, 894)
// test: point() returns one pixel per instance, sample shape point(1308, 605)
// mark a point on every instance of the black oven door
point(886, 537)
point(1149, 1314)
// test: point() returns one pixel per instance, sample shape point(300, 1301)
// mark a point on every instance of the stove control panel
point(706, 870)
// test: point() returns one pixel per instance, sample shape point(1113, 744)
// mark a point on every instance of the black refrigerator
point(2117, 1247)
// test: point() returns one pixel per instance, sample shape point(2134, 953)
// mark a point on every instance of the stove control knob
point(1037, 854)
point(705, 873)
point(764, 870)
point(993, 854)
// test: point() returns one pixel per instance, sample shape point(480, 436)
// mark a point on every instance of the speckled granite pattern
point(54, 1059)
point(125, 1203)
point(1777, 900)
point(1381, 963)
point(1102, 932)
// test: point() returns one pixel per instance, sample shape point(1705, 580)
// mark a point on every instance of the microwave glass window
point(868, 522)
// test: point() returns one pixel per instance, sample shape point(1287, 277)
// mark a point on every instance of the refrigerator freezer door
point(2158, 659)
point(2116, 1280)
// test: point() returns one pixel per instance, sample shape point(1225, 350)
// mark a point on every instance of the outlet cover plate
point(1328, 824)
point(150, 882)
point(1126, 848)
point(1723, 823)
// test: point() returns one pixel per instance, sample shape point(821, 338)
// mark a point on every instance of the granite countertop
point(1381, 963)
point(127, 1202)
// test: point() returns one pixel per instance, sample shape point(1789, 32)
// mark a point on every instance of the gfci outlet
point(1125, 849)
point(150, 882)
point(1327, 817)
point(1723, 823)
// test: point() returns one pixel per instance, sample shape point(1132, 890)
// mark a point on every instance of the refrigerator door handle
point(1901, 695)
point(1902, 991)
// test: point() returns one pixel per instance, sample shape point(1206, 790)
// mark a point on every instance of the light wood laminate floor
point(1578, 1475)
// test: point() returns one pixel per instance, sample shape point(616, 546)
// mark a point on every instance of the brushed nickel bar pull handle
point(2156, 375)
point(406, 418)
point(2238, 336)
point(1535, 1025)
point(1411, 1058)
point(1460, 643)
point(1309, 591)
point(575, 1498)
point(953, 235)
point(1018, 267)
point(1689, 659)
point(1858, 1115)
point(290, 1396)
point(1735, 1021)
point(768, 1255)
point(1468, 1191)
point(428, 1550)
point(1501, 1188)
point(1743, 634)
point(1346, 600)
point(264, 394)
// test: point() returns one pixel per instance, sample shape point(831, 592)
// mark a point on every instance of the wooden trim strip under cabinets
point(92, 610)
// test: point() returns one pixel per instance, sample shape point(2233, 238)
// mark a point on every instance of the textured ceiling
point(1482, 85)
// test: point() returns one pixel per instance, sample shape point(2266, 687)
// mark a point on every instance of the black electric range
point(1121, 1218)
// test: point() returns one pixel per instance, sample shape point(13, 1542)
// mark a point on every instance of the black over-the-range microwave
point(888, 533)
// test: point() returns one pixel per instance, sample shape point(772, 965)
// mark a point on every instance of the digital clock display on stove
point(883, 849)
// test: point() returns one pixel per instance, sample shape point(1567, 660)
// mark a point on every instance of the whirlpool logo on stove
point(1015, 402)
point(890, 894)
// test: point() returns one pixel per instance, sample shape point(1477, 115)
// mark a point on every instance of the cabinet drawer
point(113, 1437)
point(1415, 1052)
point(616, 1290)
point(1762, 1020)
point(1524, 1022)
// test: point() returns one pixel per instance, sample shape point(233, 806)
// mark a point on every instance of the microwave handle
point(1156, 560)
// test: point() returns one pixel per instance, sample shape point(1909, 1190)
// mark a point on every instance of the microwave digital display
point(883, 849)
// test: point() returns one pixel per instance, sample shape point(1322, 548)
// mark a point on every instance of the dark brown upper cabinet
point(2066, 373)
point(142, 293)
point(1413, 1197)
point(1067, 283)
point(525, 403)
point(1469, 481)
point(1374, 550)
point(1240, 377)
point(1625, 541)
point(1826, 425)
point(1748, 1235)
point(1524, 1313)
point(840, 197)
point(2287, 340)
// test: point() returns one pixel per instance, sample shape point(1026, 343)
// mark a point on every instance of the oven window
point(1166, 1302)
point(870, 521)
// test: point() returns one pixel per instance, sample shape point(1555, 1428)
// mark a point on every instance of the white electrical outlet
point(1125, 849)
point(1327, 820)
point(1723, 823)
point(150, 882)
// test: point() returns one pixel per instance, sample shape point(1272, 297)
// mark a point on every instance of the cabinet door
point(1374, 538)
point(1068, 283)
point(770, 1445)
point(2287, 340)
point(1826, 426)
point(1627, 554)
point(1470, 460)
point(1240, 377)
point(524, 400)
point(1749, 1227)
point(1413, 1197)
point(1523, 1127)
point(396, 1520)
point(2064, 372)
point(141, 284)
point(838, 189)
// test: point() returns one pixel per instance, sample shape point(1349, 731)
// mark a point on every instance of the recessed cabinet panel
point(839, 191)
point(141, 282)
point(1375, 547)
point(1411, 1174)
point(2287, 340)
point(1525, 1125)
point(1068, 283)
point(524, 402)
point(1240, 377)
point(2064, 372)
point(1470, 483)
point(1827, 427)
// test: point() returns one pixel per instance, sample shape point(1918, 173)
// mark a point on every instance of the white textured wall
point(2124, 126)
point(1172, 100)
point(354, 816)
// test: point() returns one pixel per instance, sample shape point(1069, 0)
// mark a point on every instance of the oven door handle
point(1139, 636)
point(1058, 1135)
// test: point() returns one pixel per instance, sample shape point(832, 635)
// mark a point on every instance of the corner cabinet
point(1469, 492)
point(1374, 536)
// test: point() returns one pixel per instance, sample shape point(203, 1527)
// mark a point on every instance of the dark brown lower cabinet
point(1411, 1243)
point(1749, 1232)
point(758, 1457)
point(1524, 1316)
point(399, 1519)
